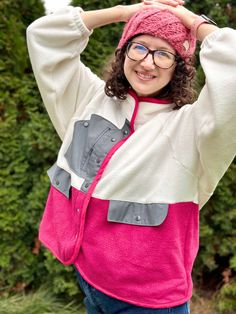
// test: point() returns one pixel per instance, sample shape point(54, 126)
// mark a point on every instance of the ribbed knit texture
point(162, 24)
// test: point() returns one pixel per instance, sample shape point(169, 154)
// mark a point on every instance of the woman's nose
point(148, 62)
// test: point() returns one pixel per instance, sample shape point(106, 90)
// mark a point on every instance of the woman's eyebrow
point(146, 45)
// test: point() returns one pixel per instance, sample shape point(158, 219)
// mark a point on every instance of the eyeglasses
point(161, 58)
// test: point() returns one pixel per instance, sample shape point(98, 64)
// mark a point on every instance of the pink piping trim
point(96, 180)
point(134, 116)
point(148, 99)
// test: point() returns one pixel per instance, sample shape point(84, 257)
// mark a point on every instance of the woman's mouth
point(145, 76)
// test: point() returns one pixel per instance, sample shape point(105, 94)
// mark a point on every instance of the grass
point(40, 302)
point(44, 302)
point(203, 303)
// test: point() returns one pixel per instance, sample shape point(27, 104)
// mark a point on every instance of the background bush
point(28, 147)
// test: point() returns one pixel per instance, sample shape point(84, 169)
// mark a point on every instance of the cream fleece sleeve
point(214, 113)
point(55, 43)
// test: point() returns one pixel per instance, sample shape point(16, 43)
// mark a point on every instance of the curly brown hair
point(179, 90)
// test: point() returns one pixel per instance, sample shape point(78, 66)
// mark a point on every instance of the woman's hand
point(122, 13)
point(173, 3)
point(175, 6)
point(187, 17)
point(130, 10)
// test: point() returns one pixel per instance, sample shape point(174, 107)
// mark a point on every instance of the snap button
point(86, 185)
point(113, 139)
point(98, 161)
point(138, 218)
point(125, 132)
point(86, 124)
point(57, 182)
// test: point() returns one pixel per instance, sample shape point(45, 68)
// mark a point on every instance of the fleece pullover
point(131, 175)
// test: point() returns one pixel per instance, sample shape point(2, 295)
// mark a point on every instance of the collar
point(153, 100)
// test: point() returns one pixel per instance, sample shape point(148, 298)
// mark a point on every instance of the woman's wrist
point(188, 18)
point(121, 12)
point(97, 18)
point(204, 30)
point(202, 26)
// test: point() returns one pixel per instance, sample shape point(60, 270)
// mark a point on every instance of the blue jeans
point(97, 302)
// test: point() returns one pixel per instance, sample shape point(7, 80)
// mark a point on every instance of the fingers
point(150, 4)
point(186, 16)
point(165, 2)
point(130, 10)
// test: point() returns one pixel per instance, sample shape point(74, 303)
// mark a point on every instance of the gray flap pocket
point(60, 179)
point(137, 213)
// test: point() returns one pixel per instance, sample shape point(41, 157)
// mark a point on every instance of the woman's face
point(144, 76)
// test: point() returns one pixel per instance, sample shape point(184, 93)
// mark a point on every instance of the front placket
point(98, 177)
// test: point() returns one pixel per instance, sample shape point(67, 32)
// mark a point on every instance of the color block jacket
point(131, 175)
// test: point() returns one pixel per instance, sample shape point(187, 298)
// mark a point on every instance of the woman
point(132, 171)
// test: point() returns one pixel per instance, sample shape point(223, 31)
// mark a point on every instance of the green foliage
point(217, 10)
point(24, 157)
point(227, 298)
point(217, 253)
point(28, 147)
point(217, 228)
point(41, 302)
point(62, 278)
point(14, 17)
point(104, 39)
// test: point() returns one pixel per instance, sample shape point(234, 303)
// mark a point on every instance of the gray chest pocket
point(92, 140)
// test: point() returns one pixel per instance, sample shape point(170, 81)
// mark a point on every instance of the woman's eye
point(163, 54)
point(140, 48)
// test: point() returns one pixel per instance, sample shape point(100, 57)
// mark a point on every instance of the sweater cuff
point(211, 37)
point(78, 22)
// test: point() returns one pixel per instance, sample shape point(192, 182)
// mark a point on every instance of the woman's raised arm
point(122, 13)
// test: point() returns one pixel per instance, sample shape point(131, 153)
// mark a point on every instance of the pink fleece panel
point(60, 223)
point(60, 211)
point(145, 266)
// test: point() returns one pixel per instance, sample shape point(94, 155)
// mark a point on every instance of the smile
point(145, 76)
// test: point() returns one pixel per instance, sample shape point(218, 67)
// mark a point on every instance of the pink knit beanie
point(162, 24)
